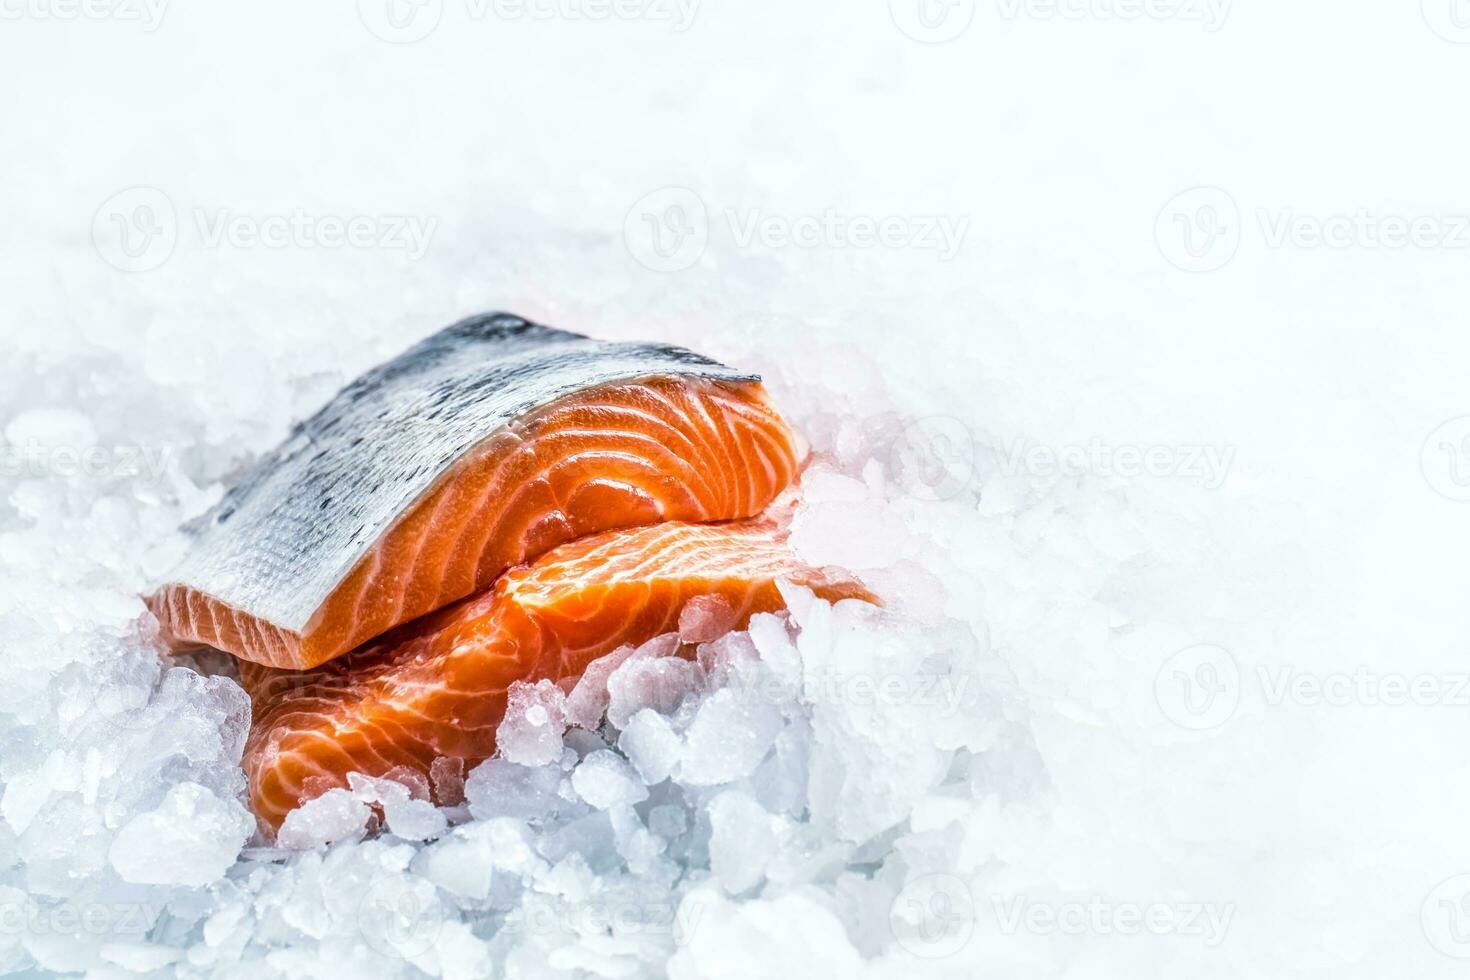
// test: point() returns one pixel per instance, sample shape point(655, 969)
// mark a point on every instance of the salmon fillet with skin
point(477, 449)
point(437, 688)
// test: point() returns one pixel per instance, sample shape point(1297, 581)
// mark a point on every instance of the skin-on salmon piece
point(437, 687)
point(478, 449)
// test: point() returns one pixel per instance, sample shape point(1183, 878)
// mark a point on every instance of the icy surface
point(1080, 710)
point(530, 733)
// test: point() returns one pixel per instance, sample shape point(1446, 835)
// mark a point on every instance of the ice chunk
point(447, 777)
point(333, 816)
point(727, 657)
point(772, 639)
point(407, 817)
point(25, 795)
point(728, 738)
point(742, 841)
point(587, 703)
point(651, 745)
point(188, 839)
point(500, 788)
point(605, 779)
point(742, 939)
point(668, 820)
point(641, 850)
point(658, 682)
point(706, 617)
point(140, 957)
point(461, 865)
point(535, 717)
point(51, 428)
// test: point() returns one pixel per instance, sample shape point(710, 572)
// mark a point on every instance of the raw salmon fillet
point(437, 687)
point(480, 448)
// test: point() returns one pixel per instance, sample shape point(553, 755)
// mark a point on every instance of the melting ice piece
point(651, 745)
point(729, 736)
point(742, 841)
point(498, 788)
point(706, 617)
point(407, 817)
point(604, 779)
point(190, 839)
point(588, 701)
point(535, 717)
point(333, 816)
point(651, 679)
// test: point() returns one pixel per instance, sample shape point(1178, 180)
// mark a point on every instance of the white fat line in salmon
point(301, 229)
point(830, 229)
point(1210, 13)
point(149, 13)
point(680, 13)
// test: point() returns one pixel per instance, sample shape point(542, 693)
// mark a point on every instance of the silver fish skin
point(301, 518)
